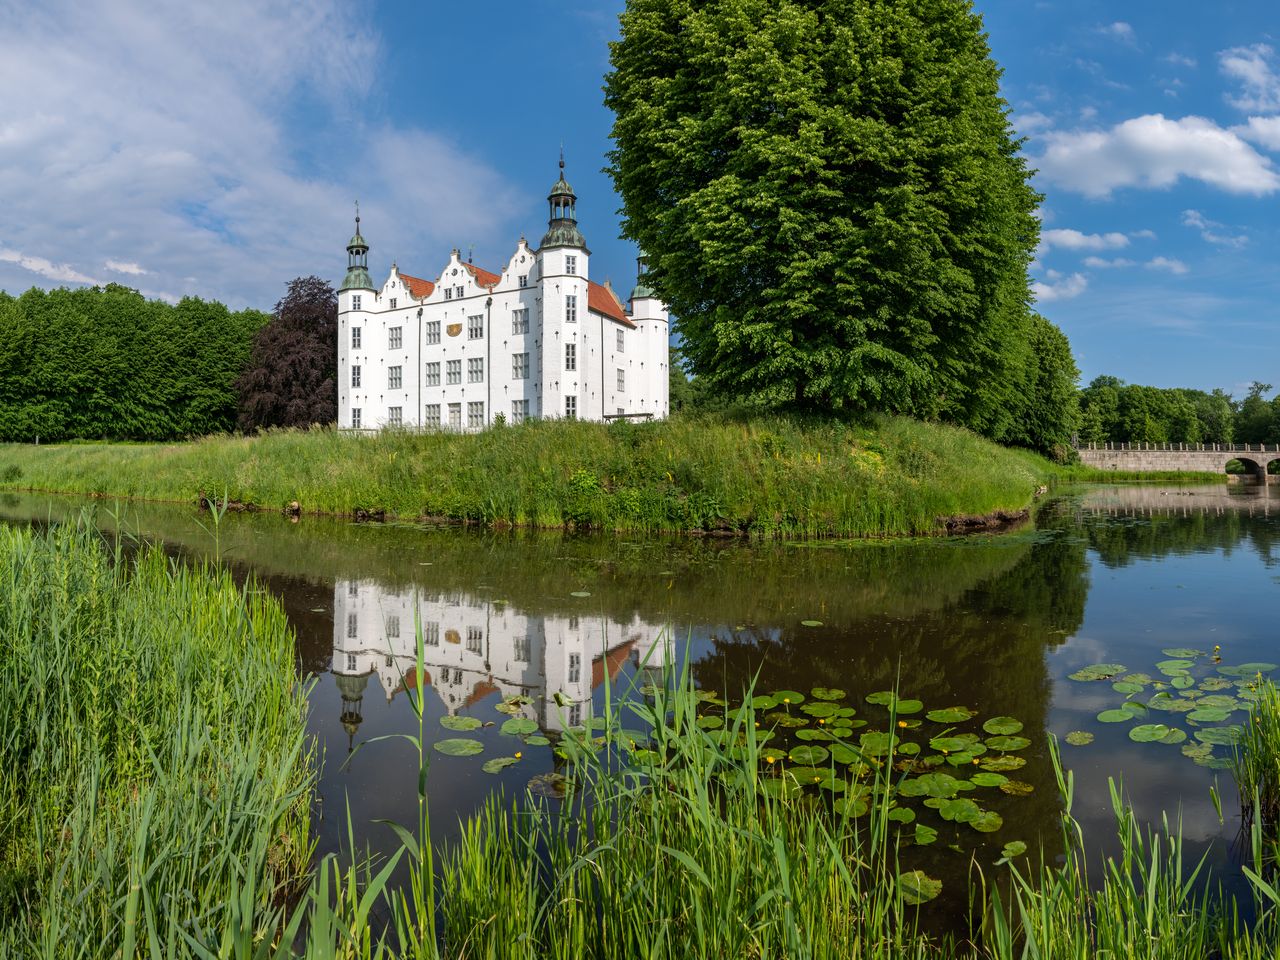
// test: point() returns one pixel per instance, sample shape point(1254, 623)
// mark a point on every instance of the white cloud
point(1058, 287)
point(1075, 240)
point(1264, 131)
point(1167, 264)
point(168, 139)
point(1209, 230)
point(1120, 31)
point(1180, 60)
point(1099, 263)
point(1155, 152)
point(1031, 122)
point(1260, 84)
point(1143, 234)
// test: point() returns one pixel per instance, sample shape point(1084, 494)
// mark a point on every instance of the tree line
point(1118, 412)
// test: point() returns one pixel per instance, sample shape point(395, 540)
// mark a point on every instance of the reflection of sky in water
point(993, 623)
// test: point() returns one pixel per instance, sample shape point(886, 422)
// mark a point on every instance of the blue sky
point(216, 149)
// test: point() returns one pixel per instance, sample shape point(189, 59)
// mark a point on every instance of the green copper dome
point(357, 277)
point(562, 229)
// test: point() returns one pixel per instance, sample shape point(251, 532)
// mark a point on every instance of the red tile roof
point(611, 661)
point(419, 288)
point(479, 691)
point(483, 277)
point(602, 299)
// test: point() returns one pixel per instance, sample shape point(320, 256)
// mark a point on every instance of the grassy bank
point(766, 477)
point(154, 776)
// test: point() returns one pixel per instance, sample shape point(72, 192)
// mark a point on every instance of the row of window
point(475, 328)
point(475, 414)
point(475, 370)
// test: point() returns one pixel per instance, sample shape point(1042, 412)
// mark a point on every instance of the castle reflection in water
point(476, 648)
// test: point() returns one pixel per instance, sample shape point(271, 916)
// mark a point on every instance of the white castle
point(540, 339)
point(477, 648)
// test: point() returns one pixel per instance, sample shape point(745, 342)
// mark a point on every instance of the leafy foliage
point(105, 363)
point(293, 375)
point(832, 202)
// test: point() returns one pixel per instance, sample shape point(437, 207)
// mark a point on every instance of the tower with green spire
point(562, 230)
point(357, 262)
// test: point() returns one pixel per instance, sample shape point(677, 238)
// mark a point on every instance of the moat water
point(1103, 575)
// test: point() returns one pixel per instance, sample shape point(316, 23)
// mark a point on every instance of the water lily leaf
point(809, 735)
point(784, 719)
point(1175, 736)
point(1148, 732)
point(1247, 669)
point(1003, 726)
point(936, 785)
point(959, 810)
point(793, 697)
point(985, 779)
point(949, 744)
point(580, 593)
point(882, 698)
point(498, 763)
point(852, 806)
point(1008, 744)
point(518, 726)
point(460, 747)
point(1215, 683)
point(772, 754)
point(1134, 708)
point(810, 623)
point(1209, 715)
point(877, 744)
point(987, 821)
point(902, 815)
point(951, 715)
point(763, 703)
point(808, 754)
point(841, 753)
point(1197, 751)
point(1099, 671)
point(925, 835)
point(806, 775)
point(512, 704)
point(1079, 738)
point(646, 756)
point(711, 721)
point(1014, 848)
point(918, 887)
point(1183, 683)
point(707, 696)
point(904, 707)
point(1016, 788)
point(908, 749)
point(461, 723)
point(1127, 686)
point(965, 758)
point(1179, 665)
point(1222, 736)
point(1183, 652)
point(1002, 764)
point(820, 709)
point(1218, 701)
point(537, 740)
point(1172, 704)
point(827, 693)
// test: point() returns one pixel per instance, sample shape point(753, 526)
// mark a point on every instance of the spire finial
point(357, 216)
point(562, 158)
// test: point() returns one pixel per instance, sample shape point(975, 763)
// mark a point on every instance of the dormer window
point(524, 281)
point(460, 292)
point(571, 265)
point(393, 303)
point(448, 293)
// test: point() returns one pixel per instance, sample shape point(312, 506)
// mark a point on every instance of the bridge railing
point(1186, 447)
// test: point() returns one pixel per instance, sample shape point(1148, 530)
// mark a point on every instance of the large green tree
point(832, 201)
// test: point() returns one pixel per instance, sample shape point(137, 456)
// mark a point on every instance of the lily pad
point(554, 785)
point(1148, 732)
point(808, 755)
point(1008, 744)
point(1183, 683)
point(1174, 736)
point(1079, 738)
point(985, 779)
point(1017, 788)
point(1247, 669)
point(1003, 726)
point(853, 806)
point(841, 753)
point(1197, 751)
point(925, 835)
point(949, 744)
point(937, 785)
point(763, 703)
point(918, 887)
point(1209, 715)
point(792, 697)
point(1002, 764)
point(512, 704)
point(459, 747)
point(902, 815)
point(1115, 716)
point(959, 810)
point(1127, 686)
point(580, 593)
point(1099, 671)
point(1134, 708)
point(904, 707)
point(498, 763)
point(810, 623)
point(877, 744)
point(519, 726)
point(784, 719)
point(809, 735)
point(537, 740)
point(820, 709)
point(1182, 652)
point(827, 693)
point(461, 723)
point(1014, 848)
point(951, 715)
point(1221, 736)
point(987, 821)
point(1164, 666)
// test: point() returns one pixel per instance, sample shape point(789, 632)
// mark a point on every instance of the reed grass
point(155, 775)
point(1256, 762)
point(767, 477)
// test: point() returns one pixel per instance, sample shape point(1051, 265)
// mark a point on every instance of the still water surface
point(997, 624)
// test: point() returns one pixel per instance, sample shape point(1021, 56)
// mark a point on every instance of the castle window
point(575, 715)
point(393, 628)
point(475, 414)
point(393, 303)
point(571, 356)
point(575, 667)
point(475, 639)
point(394, 377)
point(453, 372)
point(571, 407)
point(521, 652)
point(475, 327)
point(355, 338)
point(432, 416)
point(622, 342)
point(622, 380)
point(395, 416)
point(355, 418)
point(448, 293)
point(355, 301)
point(571, 308)
point(395, 337)
point(433, 331)
point(571, 264)
point(520, 320)
point(353, 588)
point(459, 292)
point(431, 634)
point(519, 366)
point(475, 370)
point(433, 374)
point(455, 419)
point(351, 663)
point(353, 626)
point(524, 279)
point(519, 411)
point(355, 375)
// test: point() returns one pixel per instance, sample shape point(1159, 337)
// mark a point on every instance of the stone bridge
point(1199, 458)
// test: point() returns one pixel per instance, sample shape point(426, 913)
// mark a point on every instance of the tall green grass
point(766, 476)
point(1256, 763)
point(155, 775)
